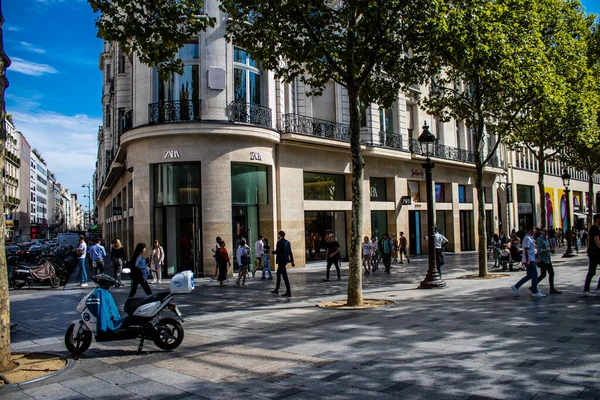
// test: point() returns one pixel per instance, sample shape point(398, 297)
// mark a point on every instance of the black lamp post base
point(432, 281)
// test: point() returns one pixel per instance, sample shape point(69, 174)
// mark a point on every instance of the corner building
point(227, 150)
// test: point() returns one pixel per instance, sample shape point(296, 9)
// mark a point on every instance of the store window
point(318, 186)
point(386, 120)
point(378, 189)
point(462, 194)
point(176, 184)
point(413, 191)
point(440, 194)
point(247, 78)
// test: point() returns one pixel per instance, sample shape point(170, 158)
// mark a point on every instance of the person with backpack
point(265, 261)
point(216, 251)
point(386, 252)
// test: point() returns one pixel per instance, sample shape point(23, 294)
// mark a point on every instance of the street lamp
point(566, 177)
point(89, 196)
point(427, 142)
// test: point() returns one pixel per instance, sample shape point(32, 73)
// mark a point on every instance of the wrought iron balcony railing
point(165, 112)
point(293, 123)
point(390, 139)
point(495, 162)
point(253, 114)
point(446, 152)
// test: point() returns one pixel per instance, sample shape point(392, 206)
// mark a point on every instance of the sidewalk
point(472, 340)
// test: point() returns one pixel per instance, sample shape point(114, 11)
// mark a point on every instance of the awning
point(580, 215)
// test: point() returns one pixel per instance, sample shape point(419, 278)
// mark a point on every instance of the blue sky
point(55, 84)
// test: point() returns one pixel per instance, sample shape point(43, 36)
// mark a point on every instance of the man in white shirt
point(81, 254)
point(259, 249)
point(438, 241)
point(529, 261)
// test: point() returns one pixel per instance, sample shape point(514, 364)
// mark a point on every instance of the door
point(466, 231)
point(414, 225)
point(177, 230)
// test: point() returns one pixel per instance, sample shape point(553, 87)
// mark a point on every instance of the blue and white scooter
point(101, 320)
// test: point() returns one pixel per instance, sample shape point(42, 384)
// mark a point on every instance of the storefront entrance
point(467, 239)
point(414, 239)
point(177, 217)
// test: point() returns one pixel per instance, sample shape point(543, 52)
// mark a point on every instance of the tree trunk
point(355, 274)
point(481, 231)
point(4, 300)
point(541, 186)
point(590, 218)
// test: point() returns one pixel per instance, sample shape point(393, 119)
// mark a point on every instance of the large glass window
point(462, 194)
point(386, 120)
point(319, 186)
point(440, 193)
point(247, 78)
point(185, 86)
point(176, 184)
point(378, 189)
point(319, 224)
point(249, 184)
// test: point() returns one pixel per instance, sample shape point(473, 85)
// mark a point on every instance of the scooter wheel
point(55, 281)
point(170, 334)
point(80, 343)
point(15, 284)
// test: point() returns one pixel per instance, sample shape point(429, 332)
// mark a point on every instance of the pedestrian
point(265, 261)
point(386, 252)
point(366, 256)
point(584, 236)
point(259, 249)
point(332, 255)
point(552, 236)
point(521, 234)
point(243, 259)
point(593, 256)
point(139, 270)
point(223, 261)
point(283, 251)
point(394, 249)
point(117, 258)
point(439, 240)
point(374, 254)
point(215, 250)
point(402, 243)
point(157, 260)
point(81, 255)
point(97, 254)
point(545, 250)
point(529, 261)
point(574, 237)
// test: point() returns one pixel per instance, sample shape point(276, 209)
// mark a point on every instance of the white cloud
point(30, 68)
point(13, 28)
point(33, 48)
point(67, 143)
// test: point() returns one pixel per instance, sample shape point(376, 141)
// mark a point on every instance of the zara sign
point(172, 154)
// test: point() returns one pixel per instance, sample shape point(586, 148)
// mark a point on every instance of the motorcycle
point(23, 275)
point(100, 318)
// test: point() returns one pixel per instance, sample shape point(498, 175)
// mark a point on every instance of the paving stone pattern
point(473, 340)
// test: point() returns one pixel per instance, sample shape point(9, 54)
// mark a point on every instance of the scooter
point(23, 275)
point(100, 318)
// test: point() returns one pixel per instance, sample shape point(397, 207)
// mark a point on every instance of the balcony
point(495, 162)
point(252, 114)
point(445, 152)
point(293, 123)
point(166, 112)
point(390, 140)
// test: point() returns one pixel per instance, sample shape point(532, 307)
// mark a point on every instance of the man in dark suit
point(283, 251)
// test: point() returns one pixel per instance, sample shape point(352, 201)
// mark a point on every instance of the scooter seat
point(133, 303)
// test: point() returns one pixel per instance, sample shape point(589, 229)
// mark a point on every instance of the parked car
point(34, 252)
point(15, 251)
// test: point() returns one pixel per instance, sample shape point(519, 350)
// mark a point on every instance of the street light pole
point(566, 177)
point(432, 278)
point(89, 196)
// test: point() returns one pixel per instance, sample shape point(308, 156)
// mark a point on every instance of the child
point(266, 265)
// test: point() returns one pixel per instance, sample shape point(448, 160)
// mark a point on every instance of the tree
point(153, 30)
point(559, 106)
point(360, 45)
point(5, 361)
point(490, 52)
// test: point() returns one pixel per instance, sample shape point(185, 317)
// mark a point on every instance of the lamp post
point(427, 142)
point(566, 177)
point(89, 196)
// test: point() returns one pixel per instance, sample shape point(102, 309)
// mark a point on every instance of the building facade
point(11, 180)
point(38, 196)
point(228, 150)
